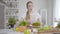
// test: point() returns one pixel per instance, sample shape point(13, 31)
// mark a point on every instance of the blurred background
point(48, 9)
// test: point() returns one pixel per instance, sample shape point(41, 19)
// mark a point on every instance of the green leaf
point(23, 23)
point(36, 24)
point(12, 21)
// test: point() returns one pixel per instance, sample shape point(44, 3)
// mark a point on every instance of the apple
point(27, 31)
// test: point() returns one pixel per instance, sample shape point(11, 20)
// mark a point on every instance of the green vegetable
point(36, 24)
point(40, 29)
point(44, 28)
point(47, 27)
point(23, 23)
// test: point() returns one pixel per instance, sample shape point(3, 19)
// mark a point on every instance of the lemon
point(17, 29)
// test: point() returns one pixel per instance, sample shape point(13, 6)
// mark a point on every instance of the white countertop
point(9, 31)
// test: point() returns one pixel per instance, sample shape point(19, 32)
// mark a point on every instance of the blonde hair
point(27, 15)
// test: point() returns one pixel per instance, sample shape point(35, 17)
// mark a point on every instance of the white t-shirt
point(33, 17)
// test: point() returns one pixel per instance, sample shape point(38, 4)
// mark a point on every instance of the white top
point(34, 16)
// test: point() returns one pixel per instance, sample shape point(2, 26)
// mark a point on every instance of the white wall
point(56, 15)
point(57, 9)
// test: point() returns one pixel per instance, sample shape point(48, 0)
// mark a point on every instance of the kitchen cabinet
point(2, 16)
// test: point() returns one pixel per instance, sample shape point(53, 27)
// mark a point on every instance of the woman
point(30, 15)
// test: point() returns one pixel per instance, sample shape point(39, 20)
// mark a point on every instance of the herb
point(23, 23)
point(36, 24)
point(12, 21)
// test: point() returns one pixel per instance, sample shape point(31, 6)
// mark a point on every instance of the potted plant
point(12, 22)
point(10, 4)
point(22, 25)
point(36, 24)
point(16, 12)
point(58, 25)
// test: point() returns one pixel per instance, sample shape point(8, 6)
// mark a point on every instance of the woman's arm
point(21, 19)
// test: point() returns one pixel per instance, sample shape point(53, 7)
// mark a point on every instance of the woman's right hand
point(21, 19)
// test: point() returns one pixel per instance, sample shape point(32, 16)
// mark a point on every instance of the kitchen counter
point(9, 31)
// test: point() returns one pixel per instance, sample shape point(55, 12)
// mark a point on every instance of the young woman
point(30, 15)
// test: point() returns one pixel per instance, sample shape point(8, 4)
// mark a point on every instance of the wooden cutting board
point(53, 31)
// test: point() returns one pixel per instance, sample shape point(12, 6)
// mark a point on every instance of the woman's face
point(30, 6)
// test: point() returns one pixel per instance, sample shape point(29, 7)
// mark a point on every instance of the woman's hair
point(28, 3)
point(28, 13)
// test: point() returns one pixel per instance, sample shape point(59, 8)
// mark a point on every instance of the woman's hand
point(21, 19)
